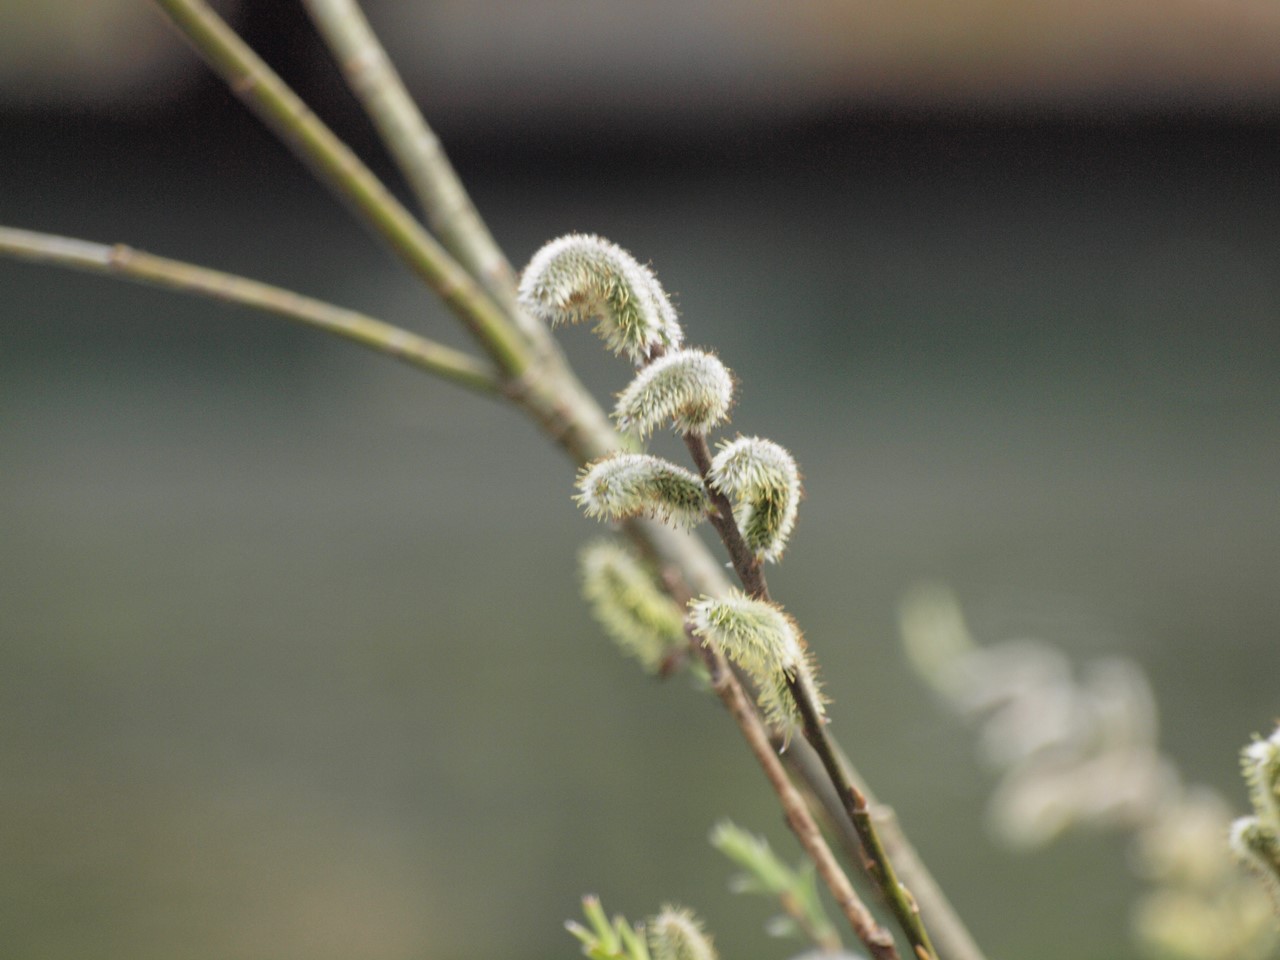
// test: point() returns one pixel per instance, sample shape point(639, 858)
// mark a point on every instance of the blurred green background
point(292, 658)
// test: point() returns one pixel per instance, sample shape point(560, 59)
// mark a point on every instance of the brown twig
point(798, 816)
point(875, 859)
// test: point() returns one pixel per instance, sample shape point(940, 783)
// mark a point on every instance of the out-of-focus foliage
point(1083, 753)
point(795, 889)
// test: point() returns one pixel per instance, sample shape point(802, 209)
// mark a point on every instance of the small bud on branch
point(1256, 840)
point(1260, 762)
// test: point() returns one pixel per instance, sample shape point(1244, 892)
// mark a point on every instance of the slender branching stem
point(417, 151)
point(333, 163)
point(799, 818)
point(950, 936)
point(130, 264)
point(536, 380)
point(875, 859)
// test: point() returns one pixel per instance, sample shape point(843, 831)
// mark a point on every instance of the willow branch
point(127, 263)
point(416, 150)
point(547, 390)
point(875, 856)
point(334, 164)
point(875, 859)
point(950, 936)
point(799, 818)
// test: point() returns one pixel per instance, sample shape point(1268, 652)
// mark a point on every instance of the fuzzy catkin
point(582, 277)
point(676, 934)
point(642, 620)
point(690, 389)
point(762, 480)
point(627, 485)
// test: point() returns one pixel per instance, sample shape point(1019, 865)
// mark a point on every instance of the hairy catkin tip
point(636, 484)
point(581, 277)
point(762, 480)
point(676, 934)
point(690, 389)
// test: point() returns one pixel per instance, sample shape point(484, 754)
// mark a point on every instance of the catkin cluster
point(581, 278)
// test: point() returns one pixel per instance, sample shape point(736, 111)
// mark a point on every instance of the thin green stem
point(417, 151)
point(119, 260)
point(950, 936)
point(334, 164)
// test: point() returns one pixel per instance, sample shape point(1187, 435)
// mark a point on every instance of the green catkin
point(584, 278)
point(625, 485)
point(766, 643)
point(690, 389)
point(1255, 840)
point(642, 620)
point(762, 480)
point(676, 934)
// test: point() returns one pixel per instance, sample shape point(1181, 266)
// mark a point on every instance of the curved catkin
point(642, 620)
point(762, 480)
point(636, 484)
point(582, 277)
point(676, 934)
point(766, 643)
point(690, 389)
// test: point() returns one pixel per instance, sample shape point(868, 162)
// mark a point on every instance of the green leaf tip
point(766, 643)
point(604, 939)
point(762, 480)
point(642, 620)
point(795, 889)
point(676, 934)
point(690, 389)
point(582, 277)
point(625, 485)
point(765, 872)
